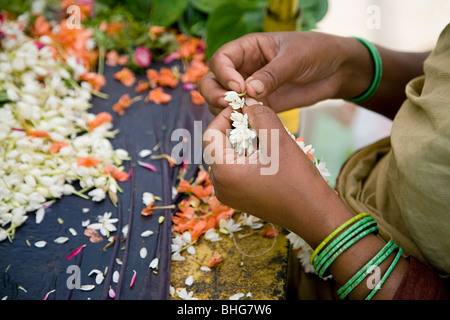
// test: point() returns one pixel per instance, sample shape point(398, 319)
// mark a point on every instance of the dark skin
point(294, 69)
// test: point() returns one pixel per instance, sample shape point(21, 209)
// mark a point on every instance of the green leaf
point(312, 12)
point(208, 6)
point(140, 9)
point(193, 22)
point(165, 13)
point(228, 22)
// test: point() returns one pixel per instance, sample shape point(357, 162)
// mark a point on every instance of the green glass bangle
point(341, 240)
point(362, 273)
point(347, 245)
point(334, 233)
point(386, 275)
point(378, 73)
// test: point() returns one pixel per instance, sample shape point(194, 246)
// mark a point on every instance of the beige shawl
point(404, 180)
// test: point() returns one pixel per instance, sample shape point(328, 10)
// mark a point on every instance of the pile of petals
point(190, 51)
point(48, 139)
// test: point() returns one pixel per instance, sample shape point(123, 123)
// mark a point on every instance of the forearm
point(398, 69)
point(327, 214)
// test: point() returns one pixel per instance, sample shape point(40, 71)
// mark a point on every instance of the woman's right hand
point(284, 70)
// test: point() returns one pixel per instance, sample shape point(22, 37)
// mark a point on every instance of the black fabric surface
point(40, 270)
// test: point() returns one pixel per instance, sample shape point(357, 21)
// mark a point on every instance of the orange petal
point(126, 76)
point(158, 96)
point(216, 258)
point(101, 118)
point(270, 232)
point(87, 162)
point(184, 186)
point(38, 134)
point(57, 145)
point(197, 98)
point(167, 78)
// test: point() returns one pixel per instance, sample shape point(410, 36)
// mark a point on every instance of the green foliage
point(165, 13)
point(229, 21)
point(312, 12)
point(217, 21)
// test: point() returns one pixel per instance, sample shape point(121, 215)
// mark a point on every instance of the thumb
point(267, 125)
point(262, 117)
point(270, 77)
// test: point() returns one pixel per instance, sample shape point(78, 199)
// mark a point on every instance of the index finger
point(224, 64)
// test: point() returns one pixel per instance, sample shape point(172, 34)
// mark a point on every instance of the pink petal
point(148, 166)
point(130, 173)
point(142, 57)
point(75, 252)
point(171, 57)
point(189, 86)
point(48, 293)
point(133, 279)
point(111, 293)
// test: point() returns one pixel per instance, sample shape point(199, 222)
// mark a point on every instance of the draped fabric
point(404, 180)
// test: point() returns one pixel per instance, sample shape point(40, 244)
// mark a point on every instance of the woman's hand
point(294, 196)
point(281, 184)
point(285, 70)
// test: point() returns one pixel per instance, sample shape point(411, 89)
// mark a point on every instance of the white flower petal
point(146, 233)
point(87, 287)
point(237, 296)
point(143, 252)
point(189, 281)
point(154, 263)
point(61, 240)
point(40, 244)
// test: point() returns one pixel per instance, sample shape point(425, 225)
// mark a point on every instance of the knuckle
point(271, 78)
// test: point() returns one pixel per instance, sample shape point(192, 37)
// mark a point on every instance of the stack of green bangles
point(343, 238)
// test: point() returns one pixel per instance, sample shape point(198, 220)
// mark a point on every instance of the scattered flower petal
point(75, 252)
point(61, 240)
point(87, 287)
point(40, 244)
point(143, 252)
point(154, 263)
point(146, 233)
point(48, 293)
point(148, 166)
point(145, 153)
point(116, 276)
point(237, 296)
point(111, 293)
point(189, 281)
point(133, 278)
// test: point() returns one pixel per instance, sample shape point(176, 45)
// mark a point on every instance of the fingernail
point(233, 85)
point(250, 101)
point(257, 86)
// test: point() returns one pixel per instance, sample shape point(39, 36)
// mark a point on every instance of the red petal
point(75, 252)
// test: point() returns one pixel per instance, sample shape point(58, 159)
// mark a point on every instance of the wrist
point(357, 70)
point(318, 213)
